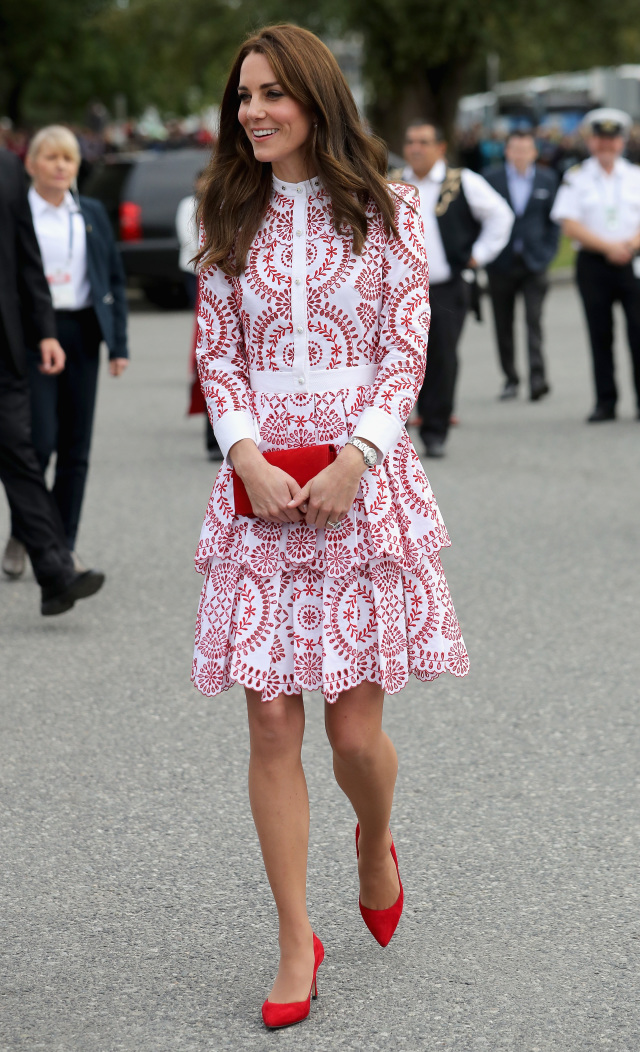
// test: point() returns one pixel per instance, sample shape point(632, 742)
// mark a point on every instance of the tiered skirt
point(288, 608)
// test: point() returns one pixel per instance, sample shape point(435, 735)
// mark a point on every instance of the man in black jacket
point(521, 268)
point(26, 314)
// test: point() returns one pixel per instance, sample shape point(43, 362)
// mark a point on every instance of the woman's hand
point(269, 489)
point(329, 496)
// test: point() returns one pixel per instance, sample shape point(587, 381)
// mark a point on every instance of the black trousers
point(504, 288)
point(62, 409)
point(601, 284)
point(35, 518)
point(449, 304)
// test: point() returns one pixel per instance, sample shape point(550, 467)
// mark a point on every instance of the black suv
point(141, 192)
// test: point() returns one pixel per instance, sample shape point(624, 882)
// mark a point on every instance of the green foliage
point(420, 55)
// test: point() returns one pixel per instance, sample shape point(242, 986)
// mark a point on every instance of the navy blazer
point(535, 228)
point(26, 312)
point(106, 277)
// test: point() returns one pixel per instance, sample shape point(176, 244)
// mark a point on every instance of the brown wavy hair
point(350, 163)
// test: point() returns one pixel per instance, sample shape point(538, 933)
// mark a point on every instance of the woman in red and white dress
point(313, 321)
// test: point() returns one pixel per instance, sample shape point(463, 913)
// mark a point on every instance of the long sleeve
point(491, 210)
point(35, 298)
point(118, 282)
point(404, 328)
point(552, 230)
point(223, 367)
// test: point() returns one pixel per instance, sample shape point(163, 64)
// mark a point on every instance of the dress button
point(300, 329)
point(297, 281)
point(299, 189)
point(301, 379)
point(298, 233)
point(283, 187)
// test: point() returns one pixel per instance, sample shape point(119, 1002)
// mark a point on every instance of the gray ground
point(135, 913)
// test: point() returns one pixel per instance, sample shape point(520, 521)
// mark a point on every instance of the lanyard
point(71, 215)
point(611, 194)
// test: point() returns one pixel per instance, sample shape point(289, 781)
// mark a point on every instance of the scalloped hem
point(293, 688)
point(319, 561)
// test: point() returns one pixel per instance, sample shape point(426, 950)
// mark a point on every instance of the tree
point(421, 55)
point(39, 43)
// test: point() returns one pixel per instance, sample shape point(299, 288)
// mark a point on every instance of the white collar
point(435, 175)
point(619, 166)
point(39, 206)
point(307, 187)
point(515, 174)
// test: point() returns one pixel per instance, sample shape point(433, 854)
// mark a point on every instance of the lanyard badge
point(61, 288)
point(611, 216)
point(60, 279)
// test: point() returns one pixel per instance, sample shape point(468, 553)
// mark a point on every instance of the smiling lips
point(263, 133)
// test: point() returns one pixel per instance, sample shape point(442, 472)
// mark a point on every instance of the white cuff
point(379, 428)
point(233, 426)
point(480, 254)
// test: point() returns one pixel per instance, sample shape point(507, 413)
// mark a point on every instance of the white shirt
point(62, 238)
point(486, 205)
point(308, 322)
point(606, 204)
point(187, 231)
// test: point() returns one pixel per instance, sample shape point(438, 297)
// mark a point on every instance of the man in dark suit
point(26, 315)
point(521, 268)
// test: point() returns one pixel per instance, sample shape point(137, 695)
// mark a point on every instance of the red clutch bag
point(302, 464)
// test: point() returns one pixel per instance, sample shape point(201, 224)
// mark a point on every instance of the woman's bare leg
point(280, 806)
point(366, 765)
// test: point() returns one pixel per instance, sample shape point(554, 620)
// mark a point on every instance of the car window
point(159, 183)
point(107, 183)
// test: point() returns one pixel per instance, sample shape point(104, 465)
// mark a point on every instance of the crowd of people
point(476, 147)
point(509, 221)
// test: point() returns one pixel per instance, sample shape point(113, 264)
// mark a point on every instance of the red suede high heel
point(276, 1015)
point(382, 923)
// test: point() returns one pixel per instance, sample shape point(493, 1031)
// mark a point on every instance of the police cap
point(607, 122)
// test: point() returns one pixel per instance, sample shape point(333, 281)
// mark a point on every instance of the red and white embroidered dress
point(312, 344)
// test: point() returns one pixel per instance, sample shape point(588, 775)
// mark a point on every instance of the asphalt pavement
point(134, 914)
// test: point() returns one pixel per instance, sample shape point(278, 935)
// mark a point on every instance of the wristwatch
point(369, 454)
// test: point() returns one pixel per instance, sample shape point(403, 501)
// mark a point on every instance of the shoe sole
point(81, 589)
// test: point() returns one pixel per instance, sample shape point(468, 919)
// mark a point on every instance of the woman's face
point(53, 169)
point(277, 126)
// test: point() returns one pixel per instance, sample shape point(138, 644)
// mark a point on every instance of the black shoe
point(600, 413)
point(81, 586)
point(510, 390)
point(539, 391)
point(434, 447)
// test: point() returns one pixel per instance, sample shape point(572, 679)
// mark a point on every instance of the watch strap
point(368, 453)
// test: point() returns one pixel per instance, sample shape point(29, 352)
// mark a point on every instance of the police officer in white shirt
point(466, 224)
point(598, 205)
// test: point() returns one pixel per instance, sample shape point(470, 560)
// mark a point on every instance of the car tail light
point(130, 216)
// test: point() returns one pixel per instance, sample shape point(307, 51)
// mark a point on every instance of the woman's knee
point(352, 740)
point(275, 727)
